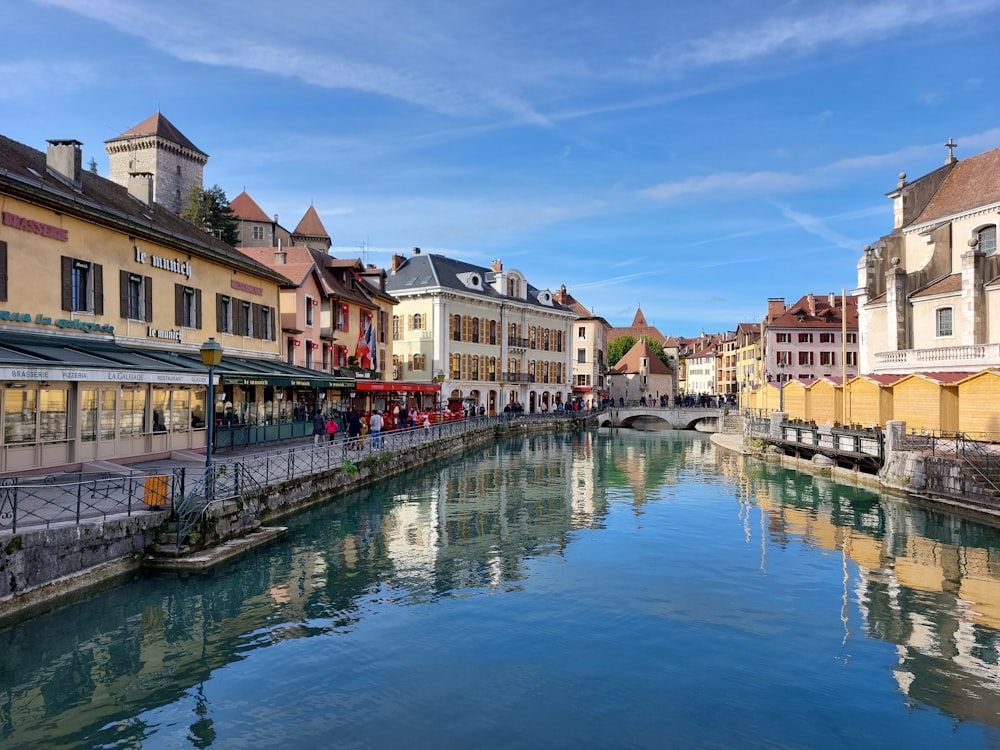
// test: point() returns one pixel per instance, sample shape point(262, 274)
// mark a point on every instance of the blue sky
point(691, 158)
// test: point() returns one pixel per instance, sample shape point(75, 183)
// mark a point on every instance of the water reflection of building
point(928, 582)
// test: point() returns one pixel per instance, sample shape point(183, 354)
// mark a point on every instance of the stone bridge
point(684, 418)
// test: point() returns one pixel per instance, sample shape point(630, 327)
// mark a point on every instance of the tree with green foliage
point(619, 348)
point(621, 345)
point(209, 209)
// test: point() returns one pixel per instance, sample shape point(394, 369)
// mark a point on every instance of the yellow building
point(973, 393)
point(105, 300)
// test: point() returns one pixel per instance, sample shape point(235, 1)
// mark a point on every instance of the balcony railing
point(518, 377)
point(517, 343)
point(943, 358)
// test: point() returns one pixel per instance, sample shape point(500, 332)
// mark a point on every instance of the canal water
point(596, 590)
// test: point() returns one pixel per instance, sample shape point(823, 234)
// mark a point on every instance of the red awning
point(397, 387)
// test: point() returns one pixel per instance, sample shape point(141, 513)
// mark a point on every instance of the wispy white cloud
point(818, 227)
point(846, 24)
point(725, 182)
point(25, 77)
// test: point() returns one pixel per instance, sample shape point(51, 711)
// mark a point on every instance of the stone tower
point(156, 148)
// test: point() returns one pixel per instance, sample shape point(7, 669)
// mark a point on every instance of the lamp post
point(440, 379)
point(211, 356)
point(781, 386)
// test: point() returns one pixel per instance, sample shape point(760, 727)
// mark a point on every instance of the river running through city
point(612, 589)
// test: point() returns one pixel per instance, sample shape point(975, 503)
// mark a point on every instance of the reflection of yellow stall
point(928, 400)
point(974, 394)
point(823, 401)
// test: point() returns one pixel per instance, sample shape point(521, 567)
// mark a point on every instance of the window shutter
point(147, 283)
point(67, 283)
point(197, 309)
point(3, 270)
point(220, 321)
point(178, 305)
point(258, 320)
point(98, 272)
point(123, 292)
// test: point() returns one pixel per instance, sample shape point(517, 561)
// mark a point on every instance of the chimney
point(832, 299)
point(280, 256)
point(140, 187)
point(775, 308)
point(416, 251)
point(276, 218)
point(397, 262)
point(496, 266)
point(65, 160)
point(811, 301)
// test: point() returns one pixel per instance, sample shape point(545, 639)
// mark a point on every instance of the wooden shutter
point(122, 292)
point(67, 282)
point(98, 277)
point(147, 284)
point(178, 305)
point(197, 308)
point(3, 270)
point(220, 320)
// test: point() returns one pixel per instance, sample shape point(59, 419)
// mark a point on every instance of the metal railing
point(837, 440)
point(74, 498)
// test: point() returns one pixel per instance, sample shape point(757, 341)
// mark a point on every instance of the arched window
point(418, 322)
point(456, 328)
point(987, 237)
point(493, 332)
point(475, 330)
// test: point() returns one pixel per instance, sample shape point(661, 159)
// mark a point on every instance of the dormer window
point(545, 298)
point(471, 280)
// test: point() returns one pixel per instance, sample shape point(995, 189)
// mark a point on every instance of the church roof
point(971, 183)
point(244, 207)
point(311, 226)
point(639, 321)
point(160, 126)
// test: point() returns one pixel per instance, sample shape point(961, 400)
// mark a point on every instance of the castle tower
point(156, 147)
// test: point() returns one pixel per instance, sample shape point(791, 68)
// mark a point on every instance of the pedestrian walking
point(375, 424)
point(319, 428)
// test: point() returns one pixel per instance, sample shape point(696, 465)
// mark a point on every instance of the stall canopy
point(28, 357)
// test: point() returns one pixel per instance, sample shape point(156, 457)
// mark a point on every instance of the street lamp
point(211, 356)
point(781, 386)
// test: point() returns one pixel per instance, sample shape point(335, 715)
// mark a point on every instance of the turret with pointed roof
point(157, 149)
point(639, 329)
point(311, 232)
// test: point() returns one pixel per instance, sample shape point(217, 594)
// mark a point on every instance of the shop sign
point(245, 287)
point(174, 265)
point(161, 333)
point(64, 323)
point(35, 227)
point(100, 376)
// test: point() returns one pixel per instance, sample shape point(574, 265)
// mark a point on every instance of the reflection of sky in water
point(605, 590)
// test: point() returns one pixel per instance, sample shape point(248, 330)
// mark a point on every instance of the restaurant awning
point(370, 385)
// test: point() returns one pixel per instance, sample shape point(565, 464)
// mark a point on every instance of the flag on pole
point(372, 344)
point(361, 350)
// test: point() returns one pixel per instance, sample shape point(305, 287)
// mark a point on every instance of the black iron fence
point(75, 498)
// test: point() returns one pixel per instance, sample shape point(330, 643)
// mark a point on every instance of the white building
point(493, 338)
point(929, 291)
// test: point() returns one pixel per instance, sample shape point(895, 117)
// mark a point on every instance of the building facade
point(929, 291)
point(106, 300)
point(493, 340)
point(815, 337)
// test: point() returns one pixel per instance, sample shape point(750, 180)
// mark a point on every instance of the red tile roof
point(972, 182)
point(311, 226)
point(244, 207)
point(945, 285)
